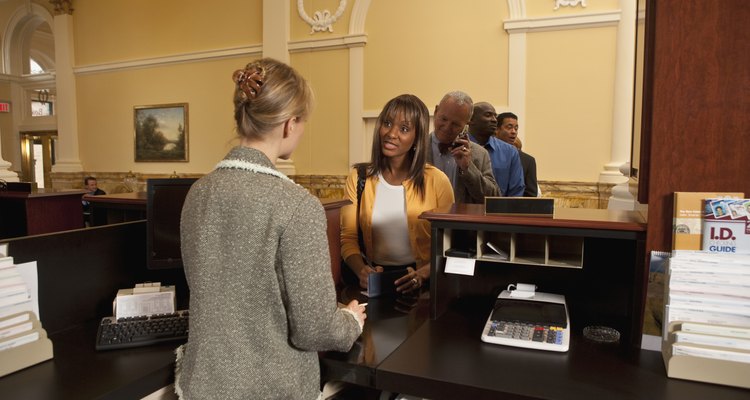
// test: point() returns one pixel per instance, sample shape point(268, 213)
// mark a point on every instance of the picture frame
point(161, 133)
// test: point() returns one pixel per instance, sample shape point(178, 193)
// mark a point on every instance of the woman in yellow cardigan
point(399, 186)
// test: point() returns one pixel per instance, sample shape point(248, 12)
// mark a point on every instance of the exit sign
point(4, 107)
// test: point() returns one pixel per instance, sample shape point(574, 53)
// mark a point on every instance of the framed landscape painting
point(161, 132)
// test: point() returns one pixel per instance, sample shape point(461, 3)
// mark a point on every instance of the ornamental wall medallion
point(321, 20)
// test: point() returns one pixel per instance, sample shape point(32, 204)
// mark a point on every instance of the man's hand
point(462, 153)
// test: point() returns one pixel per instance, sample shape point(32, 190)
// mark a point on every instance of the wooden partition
point(80, 271)
point(44, 211)
point(695, 135)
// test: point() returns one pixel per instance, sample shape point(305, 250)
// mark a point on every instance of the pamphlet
point(688, 216)
point(726, 226)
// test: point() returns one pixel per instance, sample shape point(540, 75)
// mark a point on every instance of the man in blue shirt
point(506, 164)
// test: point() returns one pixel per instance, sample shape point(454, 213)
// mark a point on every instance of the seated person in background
point(89, 185)
point(507, 131)
point(399, 186)
point(506, 164)
point(466, 163)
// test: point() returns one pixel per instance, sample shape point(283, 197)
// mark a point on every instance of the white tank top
point(390, 231)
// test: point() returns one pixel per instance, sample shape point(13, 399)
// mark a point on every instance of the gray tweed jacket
point(262, 300)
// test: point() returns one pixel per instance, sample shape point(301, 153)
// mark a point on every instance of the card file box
point(25, 355)
point(709, 370)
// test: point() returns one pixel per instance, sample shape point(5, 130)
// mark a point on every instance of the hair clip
point(249, 81)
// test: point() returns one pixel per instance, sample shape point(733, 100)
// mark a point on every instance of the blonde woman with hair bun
point(256, 258)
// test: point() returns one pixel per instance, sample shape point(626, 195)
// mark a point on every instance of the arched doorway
point(28, 60)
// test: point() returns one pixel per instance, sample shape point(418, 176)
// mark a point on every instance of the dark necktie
point(444, 148)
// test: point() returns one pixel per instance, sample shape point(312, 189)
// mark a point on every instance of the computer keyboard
point(141, 331)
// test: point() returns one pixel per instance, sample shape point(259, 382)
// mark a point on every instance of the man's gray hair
point(460, 98)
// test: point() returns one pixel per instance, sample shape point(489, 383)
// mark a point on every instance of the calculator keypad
point(526, 332)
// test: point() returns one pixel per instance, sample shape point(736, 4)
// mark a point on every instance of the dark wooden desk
point(79, 273)
point(445, 359)
point(77, 371)
point(390, 321)
point(332, 208)
point(604, 284)
point(116, 208)
point(39, 212)
point(401, 348)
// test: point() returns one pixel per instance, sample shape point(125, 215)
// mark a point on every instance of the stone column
point(68, 159)
point(276, 29)
point(622, 117)
point(517, 63)
point(5, 173)
point(276, 45)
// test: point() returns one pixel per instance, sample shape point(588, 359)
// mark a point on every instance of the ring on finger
point(415, 281)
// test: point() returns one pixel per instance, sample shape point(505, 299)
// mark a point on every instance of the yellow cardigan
point(438, 193)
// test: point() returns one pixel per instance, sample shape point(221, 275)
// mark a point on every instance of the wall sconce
point(42, 96)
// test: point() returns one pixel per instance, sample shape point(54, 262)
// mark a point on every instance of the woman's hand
point(361, 269)
point(358, 310)
point(413, 280)
point(365, 272)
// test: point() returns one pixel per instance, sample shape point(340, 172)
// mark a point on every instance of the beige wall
point(147, 29)
point(323, 149)
point(570, 94)
point(425, 47)
point(105, 114)
point(115, 30)
point(428, 48)
point(569, 102)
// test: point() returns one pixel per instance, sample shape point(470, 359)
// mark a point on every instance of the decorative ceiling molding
point(321, 20)
point(38, 81)
point(62, 7)
point(9, 78)
point(569, 3)
point(610, 18)
point(168, 60)
point(344, 42)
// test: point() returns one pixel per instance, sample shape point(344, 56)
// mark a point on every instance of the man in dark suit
point(507, 131)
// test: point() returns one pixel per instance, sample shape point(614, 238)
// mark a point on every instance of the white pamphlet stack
point(23, 341)
point(706, 333)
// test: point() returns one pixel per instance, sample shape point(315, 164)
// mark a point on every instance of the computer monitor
point(165, 198)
